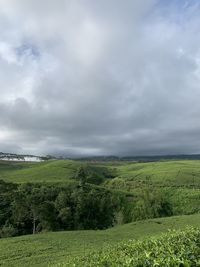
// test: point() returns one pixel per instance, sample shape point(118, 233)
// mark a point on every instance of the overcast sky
point(103, 77)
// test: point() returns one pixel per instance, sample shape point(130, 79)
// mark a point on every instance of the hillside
point(59, 198)
point(51, 171)
point(179, 179)
point(161, 174)
point(127, 175)
point(45, 248)
point(175, 248)
point(47, 171)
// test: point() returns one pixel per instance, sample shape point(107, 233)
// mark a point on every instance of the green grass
point(184, 173)
point(58, 171)
point(52, 171)
point(52, 248)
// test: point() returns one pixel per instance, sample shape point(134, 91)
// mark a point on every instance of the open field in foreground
point(53, 248)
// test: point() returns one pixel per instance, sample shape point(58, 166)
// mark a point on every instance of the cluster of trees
point(31, 208)
point(94, 174)
point(152, 203)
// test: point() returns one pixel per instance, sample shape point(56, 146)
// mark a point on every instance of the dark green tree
point(81, 176)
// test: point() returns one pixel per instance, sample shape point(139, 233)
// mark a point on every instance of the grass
point(58, 171)
point(179, 173)
point(52, 248)
point(52, 171)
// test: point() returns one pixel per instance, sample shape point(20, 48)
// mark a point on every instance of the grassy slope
point(48, 171)
point(180, 178)
point(176, 248)
point(46, 248)
point(166, 173)
point(54, 171)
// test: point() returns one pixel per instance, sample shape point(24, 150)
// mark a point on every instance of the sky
point(103, 77)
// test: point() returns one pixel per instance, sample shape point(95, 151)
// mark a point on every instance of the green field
point(184, 173)
point(161, 173)
point(52, 171)
point(49, 248)
point(48, 171)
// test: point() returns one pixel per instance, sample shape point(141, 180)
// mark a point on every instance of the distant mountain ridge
point(143, 158)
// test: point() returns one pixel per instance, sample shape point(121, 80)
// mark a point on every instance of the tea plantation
point(138, 203)
point(176, 248)
point(49, 249)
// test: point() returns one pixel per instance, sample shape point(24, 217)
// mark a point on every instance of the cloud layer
point(99, 77)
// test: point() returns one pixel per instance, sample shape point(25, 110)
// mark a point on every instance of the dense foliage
point(93, 196)
point(177, 248)
point(31, 208)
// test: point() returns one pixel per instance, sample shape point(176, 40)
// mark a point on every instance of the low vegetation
point(51, 248)
point(177, 248)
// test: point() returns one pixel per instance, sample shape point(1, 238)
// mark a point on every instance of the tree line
point(31, 208)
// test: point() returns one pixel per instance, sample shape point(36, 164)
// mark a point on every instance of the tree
point(151, 204)
point(81, 176)
point(64, 206)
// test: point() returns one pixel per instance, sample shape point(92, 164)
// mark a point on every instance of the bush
point(8, 231)
point(176, 248)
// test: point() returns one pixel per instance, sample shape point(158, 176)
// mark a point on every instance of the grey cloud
point(99, 77)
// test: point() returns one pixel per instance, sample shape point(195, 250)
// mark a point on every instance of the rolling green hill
point(52, 248)
point(184, 173)
point(52, 171)
point(179, 179)
point(47, 171)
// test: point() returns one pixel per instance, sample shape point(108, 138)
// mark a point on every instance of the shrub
point(176, 248)
point(8, 231)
